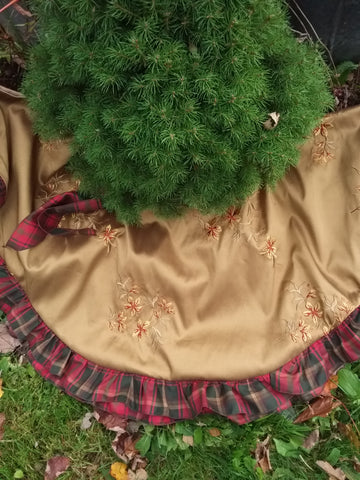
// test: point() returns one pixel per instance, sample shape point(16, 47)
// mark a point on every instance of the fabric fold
point(160, 401)
point(2, 192)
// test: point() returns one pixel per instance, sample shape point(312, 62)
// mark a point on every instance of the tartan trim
point(161, 401)
point(2, 191)
point(43, 221)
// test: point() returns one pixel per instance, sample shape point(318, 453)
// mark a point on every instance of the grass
point(41, 422)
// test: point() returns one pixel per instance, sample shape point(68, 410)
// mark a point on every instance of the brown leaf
point(138, 475)
point(2, 421)
point(188, 439)
point(320, 407)
point(356, 464)
point(331, 384)
point(214, 432)
point(55, 467)
point(347, 430)
point(311, 440)
point(111, 421)
point(124, 446)
point(336, 473)
point(262, 455)
point(22, 11)
point(7, 342)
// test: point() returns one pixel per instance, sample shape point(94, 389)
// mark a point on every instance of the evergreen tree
point(166, 99)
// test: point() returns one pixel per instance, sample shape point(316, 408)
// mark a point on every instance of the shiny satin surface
point(220, 298)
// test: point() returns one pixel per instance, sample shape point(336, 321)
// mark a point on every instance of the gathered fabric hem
point(160, 401)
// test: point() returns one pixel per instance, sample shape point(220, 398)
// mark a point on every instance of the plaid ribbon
point(43, 221)
point(160, 401)
point(2, 192)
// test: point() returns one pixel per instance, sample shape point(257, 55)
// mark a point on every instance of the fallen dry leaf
point(111, 421)
point(272, 121)
point(55, 467)
point(86, 421)
point(214, 432)
point(262, 455)
point(138, 475)
point(356, 464)
point(320, 407)
point(311, 440)
point(347, 430)
point(336, 473)
point(7, 342)
point(119, 471)
point(188, 439)
point(331, 384)
point(1, 390)
point(22, 11)
point(124, 446)
point(2, 421)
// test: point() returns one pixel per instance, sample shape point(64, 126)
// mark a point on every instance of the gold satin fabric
point(222, 298)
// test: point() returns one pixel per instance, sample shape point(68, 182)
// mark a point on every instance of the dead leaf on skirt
point(111, 421)
point(262, 455)
point(8, 343)
point(55, 467)
point(335, 473)
point(320, 407)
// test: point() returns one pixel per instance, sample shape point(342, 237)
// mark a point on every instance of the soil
point(10, 74)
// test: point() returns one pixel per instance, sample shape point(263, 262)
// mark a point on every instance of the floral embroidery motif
point(60, 182)
point(269, 249)
point(140, 314)
point(213, 231)
point(245, 223)
point(314, 310)
point(108, 236)
point(322, 150)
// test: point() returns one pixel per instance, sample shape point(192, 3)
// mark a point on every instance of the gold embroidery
point(60, 182)
point(108, 236)
point(245, 223)
point(313, 308)
point(321, 153)
point(140, 314)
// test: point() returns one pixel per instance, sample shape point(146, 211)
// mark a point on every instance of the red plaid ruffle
point(43, 221)
point(2, 191)
point(160, 401)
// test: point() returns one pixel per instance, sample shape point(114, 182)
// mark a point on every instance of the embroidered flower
point(121, 321)
point(314, 312)
point(133, 305)
point(108, 236)
point(166, 306)
point(322, 146)
point(304, 331)
point(269, 248)
point(322, 129)
point(141, 329)
point(213, 231)
point(232, 217)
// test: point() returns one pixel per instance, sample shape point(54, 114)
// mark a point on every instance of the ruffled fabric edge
point(2, 191)
point(160, 401)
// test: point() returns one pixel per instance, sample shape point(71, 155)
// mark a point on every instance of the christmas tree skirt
point(239, 314)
